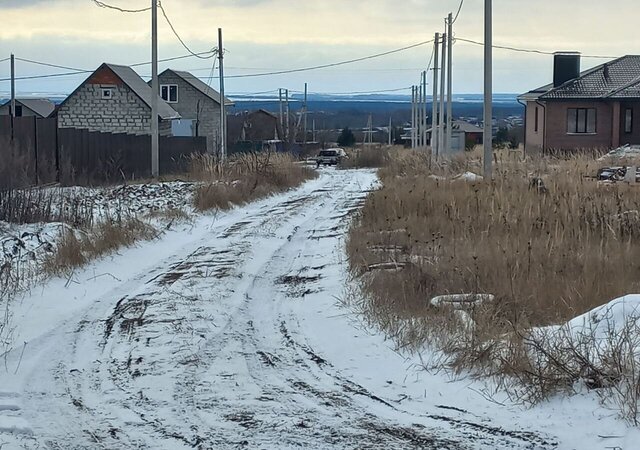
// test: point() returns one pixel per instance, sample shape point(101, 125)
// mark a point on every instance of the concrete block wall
point(194, 105)
point(124, 112)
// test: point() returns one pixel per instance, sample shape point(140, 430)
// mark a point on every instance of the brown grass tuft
point(245, 178)
point(74, 250)
point(367, 157)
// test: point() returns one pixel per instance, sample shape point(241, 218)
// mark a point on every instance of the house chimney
point(566, 66)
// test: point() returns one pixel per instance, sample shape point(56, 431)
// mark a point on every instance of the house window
point(581, 121)
point(107, 93)
point(536, 120)
point(18, 110)
point(169, 93)
point(628, 120)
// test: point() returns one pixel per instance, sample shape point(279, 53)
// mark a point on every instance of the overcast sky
point(263, 35)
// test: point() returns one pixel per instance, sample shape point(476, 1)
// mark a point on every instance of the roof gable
point(130, 78)
point(133, 81)
point(199, 85)
point(41, 106)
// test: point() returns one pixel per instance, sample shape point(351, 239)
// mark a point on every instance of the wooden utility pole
point(442, 144)
point(449, 80)
point(390, 132)
point(435, 151)
point(223, 106)
point(488, 91)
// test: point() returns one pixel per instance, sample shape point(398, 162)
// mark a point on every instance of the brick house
point(595, 109)
point(197, 103)
point(29, 107)
point(114, 99)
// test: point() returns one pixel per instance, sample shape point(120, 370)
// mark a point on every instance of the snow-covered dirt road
point(228, 334)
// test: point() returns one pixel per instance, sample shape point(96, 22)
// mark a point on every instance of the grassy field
point(545, 255)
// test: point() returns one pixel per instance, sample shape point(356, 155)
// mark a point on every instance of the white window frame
point(168, 88)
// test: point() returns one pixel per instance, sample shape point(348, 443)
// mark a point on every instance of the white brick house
point(114, 99)
point(197, 103)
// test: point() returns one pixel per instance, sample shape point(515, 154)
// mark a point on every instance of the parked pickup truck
point(330, 157)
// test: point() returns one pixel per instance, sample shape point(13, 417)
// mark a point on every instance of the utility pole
point(442, 144)
point(281, 107)
point(305, 113)
point(155, 87)
point(413, 117)
point(13, 93)
point(288, 116)
point(435, 151)
point(449, 80)
point(223, 106)
point(488, 91)
point(424, 109)
point(419, 115)
point(390, 132)
point(13, 85)
point(313, 131)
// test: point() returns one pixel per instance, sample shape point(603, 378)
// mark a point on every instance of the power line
point(363, 92)
point(340, 63)
point(211, 54)
point(75, 69)
point(117, 8)
point(166, 17)
point(458, 13)
point(526, 50)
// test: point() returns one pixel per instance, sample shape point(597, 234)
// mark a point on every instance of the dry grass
point(75, 249)
point(545, 256)
point(245, 178)
point(367, 157)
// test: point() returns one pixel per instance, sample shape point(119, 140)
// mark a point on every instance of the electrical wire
point(117, 8)
point(4, 60)
point(526, 50)
point(363, 92)
point(166, 17)
point(325, 66)
point(40, 63)
point(85, 71)
point(458, 13)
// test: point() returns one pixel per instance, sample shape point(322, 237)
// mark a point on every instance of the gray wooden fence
point(34, 151)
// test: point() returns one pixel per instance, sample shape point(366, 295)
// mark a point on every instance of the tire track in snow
point(208, 351)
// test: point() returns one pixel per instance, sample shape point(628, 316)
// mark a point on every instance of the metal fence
point(35, 151)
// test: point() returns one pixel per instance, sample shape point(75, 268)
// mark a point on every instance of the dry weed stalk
point(245, 177)
point(545, 256)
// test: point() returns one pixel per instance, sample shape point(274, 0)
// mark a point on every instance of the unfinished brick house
point(197, 103)
point(595, 109)
point(114, 99)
